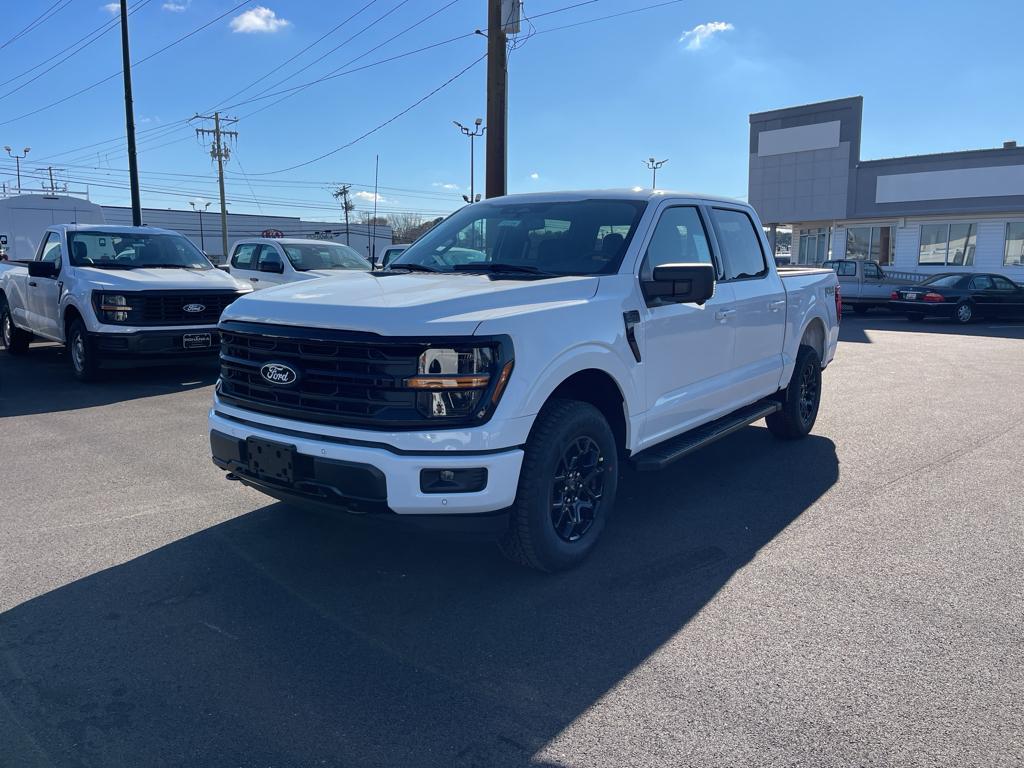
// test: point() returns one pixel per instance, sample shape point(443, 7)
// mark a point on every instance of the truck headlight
point(459, 381)
point(113, 307)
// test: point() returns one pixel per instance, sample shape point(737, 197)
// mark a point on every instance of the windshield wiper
point(413, 267)
point(108, 265)
point(489, 266)
point(170, 266)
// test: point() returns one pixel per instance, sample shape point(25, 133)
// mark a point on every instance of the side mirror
point(272, 265)
point(681, 283)
point(223, 268)
point(42, 269)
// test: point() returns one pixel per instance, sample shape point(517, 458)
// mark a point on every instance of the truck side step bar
point(663, 454)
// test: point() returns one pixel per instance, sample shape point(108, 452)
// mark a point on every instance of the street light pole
point(202, 237)
point(654, 165)
point(478, 130)
point(17, 162)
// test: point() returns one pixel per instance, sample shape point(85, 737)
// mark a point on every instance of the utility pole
point(497, 91)
point(129, 117)
point(53, 186)
point(478, 130)
point(202, 237)
point(341, 193)
point(17, 162)
point(654, 165)
point(373, 229)
point(220, 153)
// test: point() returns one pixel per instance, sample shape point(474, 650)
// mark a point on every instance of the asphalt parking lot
point(856, 598)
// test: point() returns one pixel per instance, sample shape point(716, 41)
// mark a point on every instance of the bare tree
point(404, 225)
point(347, 206)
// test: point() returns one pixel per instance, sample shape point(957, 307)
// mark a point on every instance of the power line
point(98, 83)
point(38, 20)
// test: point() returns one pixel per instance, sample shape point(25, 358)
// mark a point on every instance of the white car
point(115, 296)
point(599, 328)
point(266, 262)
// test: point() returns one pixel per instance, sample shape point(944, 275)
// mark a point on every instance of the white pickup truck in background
point(115, 296)
point(265, 262)
point(864, 284)
point(506, 364)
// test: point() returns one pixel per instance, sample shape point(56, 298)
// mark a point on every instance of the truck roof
point(113, 229)
point(627, 193)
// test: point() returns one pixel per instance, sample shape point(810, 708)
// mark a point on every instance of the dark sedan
point(961, 296)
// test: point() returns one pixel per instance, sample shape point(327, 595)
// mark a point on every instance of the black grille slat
point(168, 307)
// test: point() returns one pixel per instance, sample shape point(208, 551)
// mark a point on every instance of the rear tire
point(567, 488)
point(801, 398)
point(15, 340)
point(963, 313)
point(82, 353)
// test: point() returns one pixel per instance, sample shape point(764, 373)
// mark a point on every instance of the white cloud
point(258, 19)
point(112, 8)
point(695, 38)
point(174, 7)
point(534, 175)
point(369, 197)
point(447, 187)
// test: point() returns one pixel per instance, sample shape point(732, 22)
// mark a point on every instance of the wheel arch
point(71, 313)
point(815, 336)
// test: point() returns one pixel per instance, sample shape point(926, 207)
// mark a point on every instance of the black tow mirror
point(272, 265)
point(42, 269)
point(681, 283)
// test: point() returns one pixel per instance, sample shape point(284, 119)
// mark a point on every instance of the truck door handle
point(33, 283)
point(254, 279)
point(724, 314)
point(775, 306)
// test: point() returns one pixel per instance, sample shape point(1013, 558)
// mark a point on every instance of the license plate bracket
point(196, 340)
point(271, 461)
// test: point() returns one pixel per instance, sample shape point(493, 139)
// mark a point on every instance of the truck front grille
point(169, 307)
point(340, 377)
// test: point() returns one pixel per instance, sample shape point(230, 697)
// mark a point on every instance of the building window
point(947, 244)
point(813, 246)
point(874, 243)
point(1013, 256)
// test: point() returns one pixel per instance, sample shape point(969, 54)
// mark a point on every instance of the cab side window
point(243, 258)
point(846, 269)
point(267, 253)
point(872, 271)
point(51, 250)
point(741, 247)
point(679, 238)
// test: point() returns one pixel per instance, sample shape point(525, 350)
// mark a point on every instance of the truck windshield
point(132, 250)
point(585, 237)
point(307, 256)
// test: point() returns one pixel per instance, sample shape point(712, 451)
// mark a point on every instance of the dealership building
point(924, 213)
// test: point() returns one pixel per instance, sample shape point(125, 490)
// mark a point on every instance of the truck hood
point(407, 304)
point(160, 279)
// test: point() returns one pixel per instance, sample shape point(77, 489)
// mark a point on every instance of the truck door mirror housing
point(42, 269)
point(273, 264)
point(681, 283)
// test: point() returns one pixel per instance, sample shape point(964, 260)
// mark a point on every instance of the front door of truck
point(687, 349)
point(43, 294)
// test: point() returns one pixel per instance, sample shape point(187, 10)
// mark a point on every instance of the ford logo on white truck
point(194, 307)
point(279, 373)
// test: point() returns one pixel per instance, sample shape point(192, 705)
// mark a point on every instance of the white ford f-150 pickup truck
point(115, 296)
point(506, 364)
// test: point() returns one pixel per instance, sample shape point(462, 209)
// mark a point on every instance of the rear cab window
point(740, 245)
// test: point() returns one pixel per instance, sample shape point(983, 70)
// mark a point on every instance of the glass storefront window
point(874, 243)
point(943, 244)
point(813, 247)
point(1013, 256)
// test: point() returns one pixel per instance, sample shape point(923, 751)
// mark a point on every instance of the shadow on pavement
point(41, 382)
point(854, 327)
point(281, 638)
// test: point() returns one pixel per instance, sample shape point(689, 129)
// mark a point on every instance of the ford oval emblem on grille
point(279, 373)
point(194, 307)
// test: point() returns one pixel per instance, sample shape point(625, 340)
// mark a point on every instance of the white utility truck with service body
point(503, 367)
point(115, 296)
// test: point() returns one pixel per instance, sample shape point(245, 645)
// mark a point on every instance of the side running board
point(663, 454)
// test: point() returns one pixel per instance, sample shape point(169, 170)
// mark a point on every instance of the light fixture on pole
point(478, 130)
point(17, 162)
point(202, 237)
point(654, 165)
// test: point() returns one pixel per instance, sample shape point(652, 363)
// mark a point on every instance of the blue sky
point(586, 104)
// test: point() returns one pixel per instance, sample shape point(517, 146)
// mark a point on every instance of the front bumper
point(156, 345)
point(354, 476)
point(928, 308)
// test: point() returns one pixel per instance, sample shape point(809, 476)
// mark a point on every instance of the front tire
point(801, 398)
point(82, 353)
point(15, 340)
point(567, 488)
point(964, 312)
